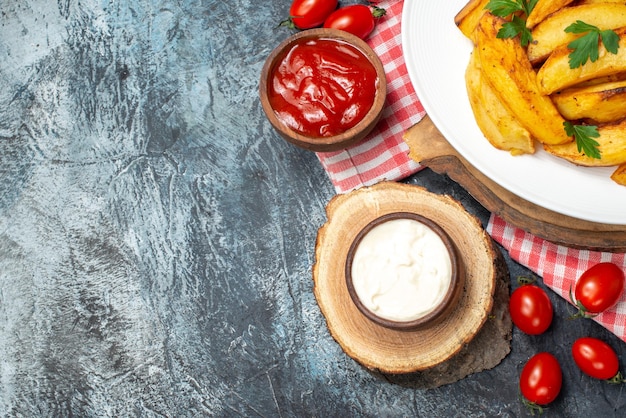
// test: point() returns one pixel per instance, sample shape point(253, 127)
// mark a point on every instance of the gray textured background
point(157, 237)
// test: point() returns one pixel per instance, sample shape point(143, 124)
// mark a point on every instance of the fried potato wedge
point(511, 76)
point(467, 18)
point(601, 102)
point(619, 175)
point(550, 33)
point(612, 147)
point(600, 1)
point(555, 74)
point(601, 80)
point(497, 124)
point(543, 9)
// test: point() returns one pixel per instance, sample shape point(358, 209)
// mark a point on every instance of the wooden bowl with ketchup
point(323, 89)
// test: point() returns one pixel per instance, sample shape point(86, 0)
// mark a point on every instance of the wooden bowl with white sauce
point(402, 271)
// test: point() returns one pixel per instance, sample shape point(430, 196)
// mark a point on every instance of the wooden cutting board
point(391, 351)
point(430, 148)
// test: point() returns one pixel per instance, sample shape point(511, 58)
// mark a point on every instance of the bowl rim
point(348, 137)
point(452, 294)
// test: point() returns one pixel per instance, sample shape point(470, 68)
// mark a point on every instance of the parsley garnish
point(513, 28)
point(586, 47)
point(503, 8)
point(584, 134)
point(517, 25)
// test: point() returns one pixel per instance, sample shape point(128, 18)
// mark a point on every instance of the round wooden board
point(379, 348)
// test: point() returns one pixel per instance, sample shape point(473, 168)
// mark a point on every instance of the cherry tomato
point(307, 14)
point(541, 379)
point(596, 359)
point(531, 309)
point(358, 19)
point(598, 289)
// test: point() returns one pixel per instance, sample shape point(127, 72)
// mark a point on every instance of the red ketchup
point(322, 87)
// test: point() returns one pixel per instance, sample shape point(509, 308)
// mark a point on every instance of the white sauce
point(401, 270)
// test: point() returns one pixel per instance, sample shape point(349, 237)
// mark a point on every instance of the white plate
point(436, 54)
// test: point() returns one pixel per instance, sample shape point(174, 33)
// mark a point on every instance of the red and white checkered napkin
point(384, 156)
point(559, 266)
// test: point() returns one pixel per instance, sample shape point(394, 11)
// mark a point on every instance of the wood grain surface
point(384, 349)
